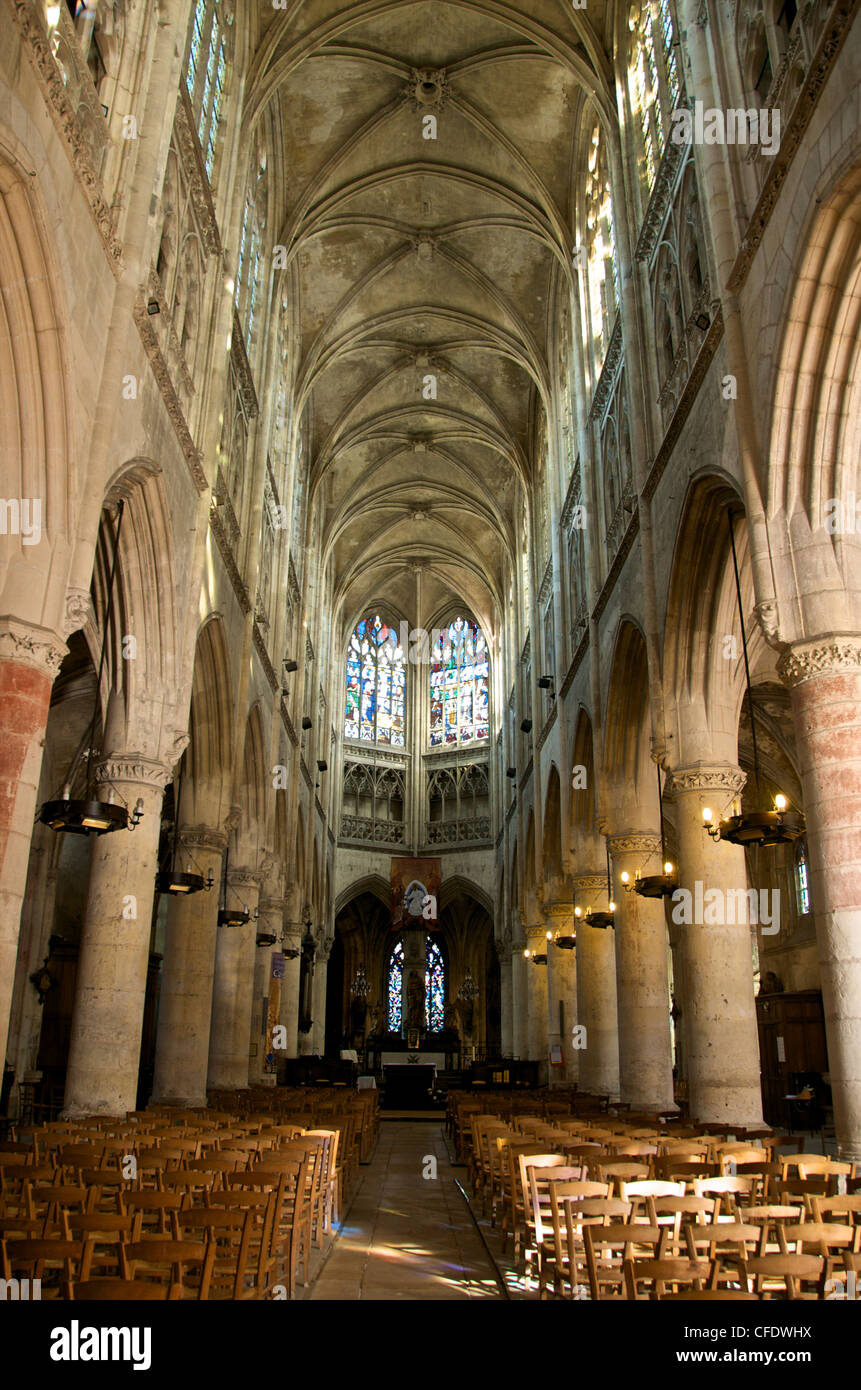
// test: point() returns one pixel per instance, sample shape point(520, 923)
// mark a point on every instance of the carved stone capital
point(231, 820)
point(201, 837)
point(643, 843)
point(31, 646)
point(589, 883)
point(79, 611)
point(805, 660)
point(271, 905)
point(705, 777)
point(768, 618)
point(244, 878)
point(130, 767)
point(535, 934)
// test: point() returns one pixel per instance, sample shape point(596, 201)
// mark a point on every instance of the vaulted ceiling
point(422, 264)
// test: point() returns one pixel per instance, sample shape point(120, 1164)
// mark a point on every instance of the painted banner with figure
point(415, 893)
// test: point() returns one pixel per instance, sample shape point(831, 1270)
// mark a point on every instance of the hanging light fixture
point(603, 920)
point(174, 880)
point(232, 916)
point(655, 885)
point(360, 986)
point(292, 952)
point(468, 991)
point(87, 815)
point(537, 957)
point(761, 827)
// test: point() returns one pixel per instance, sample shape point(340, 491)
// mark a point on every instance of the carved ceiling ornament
point(805, 660)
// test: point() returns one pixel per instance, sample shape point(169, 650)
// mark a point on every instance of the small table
point(408, 1086)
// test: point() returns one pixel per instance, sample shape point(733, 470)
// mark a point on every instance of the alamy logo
point(711, 125)
point(76, 1343)
point(20, 1290)
point(21, 516)
point(718, 907)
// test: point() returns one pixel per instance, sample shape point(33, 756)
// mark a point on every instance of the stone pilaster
point(824, 678)
point(321, 981)
point(519, 1002)
point(536, 991)
point(718, 1012)
point(110, 988)
point(505, 993)
point(561, 993)
point(270, 922)
point(233, 987)
point(185, 1000)
point(290, 991)
point(642, 981)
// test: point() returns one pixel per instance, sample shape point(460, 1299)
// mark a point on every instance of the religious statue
point(415, 1001)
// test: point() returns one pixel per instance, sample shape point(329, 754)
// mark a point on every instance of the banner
point(415, 893)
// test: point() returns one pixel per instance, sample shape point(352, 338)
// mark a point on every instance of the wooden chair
point(790, 1276)
point(617, 1173)
point(711, 1296)
point(608, 1247)
point(186, 1263)
point(51, 1261)
point(570, 1211)
point(158, 1212)
point(120, 1291)
point(662, 1276)
point(105, 1232)
point(231, 1231)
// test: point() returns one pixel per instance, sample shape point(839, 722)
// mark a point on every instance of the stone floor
point(408, 1233)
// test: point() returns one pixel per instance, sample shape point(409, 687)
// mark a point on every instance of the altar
point(408, 1085)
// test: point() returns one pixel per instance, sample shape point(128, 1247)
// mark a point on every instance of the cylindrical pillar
point(710, 907)
point(233, 988)
point(321, 980)
point(110, 989)
point(290, 991)
point(185, 998)
point(597, 1005)
point(506, 1024)
point(642, 982)
point(265, 988)
point(29, 661)
point(519, 1004)
point(824, 677)
point(536, 989)
point(561, 994)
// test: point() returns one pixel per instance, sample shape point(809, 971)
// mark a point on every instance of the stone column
point(233, 988)
point(414, 988)
point(597, 1006)
point(561, 990)
point(824, 678)
point(29, 660)
point(505, 997)
point(718, 1009)
point(185, 999)
point(290, 990)
point(321, 980)
point(110, 989)
point(536, 989)
point(519, 1003)
point(642, 982)
point(271, 917)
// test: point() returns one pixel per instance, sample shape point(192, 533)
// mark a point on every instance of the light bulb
point(578, 912)
point(707, 814)
point(526, 955)
point(668, 868)
point(780, 801)
point(52, 14)
point(626, 877)
point(549, 936)
point(611, 907)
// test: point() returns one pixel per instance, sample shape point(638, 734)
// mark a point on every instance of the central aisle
point(408, 1235)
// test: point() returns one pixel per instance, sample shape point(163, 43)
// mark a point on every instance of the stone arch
point(553, 866)
point(207, 790)
point(252, 793)
point(627, 726)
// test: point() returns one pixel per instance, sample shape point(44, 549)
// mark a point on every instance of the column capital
point(271, 905)
point(637, 842)
point(589, 883)
point(132, 767)
point(31, 645)
point(244, 878)
point(534, 934)
point(197, 837)
point(824, 655)
point(705, 777)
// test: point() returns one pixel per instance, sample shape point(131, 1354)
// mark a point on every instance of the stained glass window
point(396, 987)
point(434, 988)
point(802, 880)
point(205, 74)
point(602, 277)
point(459, 684)
point(376, 683)
point(654, 75)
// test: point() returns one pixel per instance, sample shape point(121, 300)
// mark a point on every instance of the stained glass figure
point(376, 684)
point(434, 988)
point(459, 685)
point(396, 988)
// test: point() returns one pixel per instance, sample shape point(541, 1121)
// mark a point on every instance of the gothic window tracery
point(459, 682)
point(376, 684)
point(206, 73)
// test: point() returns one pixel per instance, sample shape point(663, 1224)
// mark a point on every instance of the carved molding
point(190, 153)
point(589, 883)
point(666, 182)
point(720, 777)
point(805, 660)
point(66, 118)
point(833, 36)
point(260, 647)
point(31, 646)
point(617, 565)
point(685, 402)
point(635, 844)
point(609, 373)
point(546, 583)
point(79, 611)
point(225, 550)
point(244, 878)
point(288, 725)
point(172, 403)
point(242, 367)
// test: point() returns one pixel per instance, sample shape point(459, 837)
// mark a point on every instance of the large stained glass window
point(459, 684)
point(206, 73)
point(376, 682)
point(396, 988)
point(434, 988)
point(654, 77)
